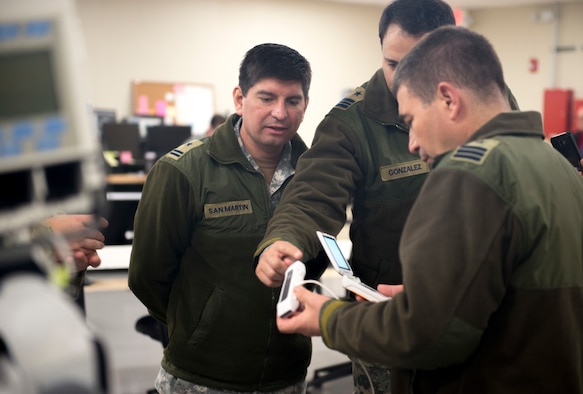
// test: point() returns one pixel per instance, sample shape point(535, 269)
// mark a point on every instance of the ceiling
point(471, 4)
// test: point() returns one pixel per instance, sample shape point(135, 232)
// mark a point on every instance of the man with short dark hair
point(491, 252)
point(358, 158)
point(204, 208)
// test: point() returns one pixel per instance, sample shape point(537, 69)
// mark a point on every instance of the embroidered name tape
point(403, 170)
point(475, 152)
point(229, 208)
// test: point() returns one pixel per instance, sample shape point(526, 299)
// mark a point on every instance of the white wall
point(203, 41)
point(518, 37)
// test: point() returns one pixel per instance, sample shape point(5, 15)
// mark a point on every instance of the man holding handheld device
point(341, 265)
point(288, 302)
point(359, 159)
point(491, 250)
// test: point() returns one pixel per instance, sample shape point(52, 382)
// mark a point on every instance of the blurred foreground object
point(50, 162)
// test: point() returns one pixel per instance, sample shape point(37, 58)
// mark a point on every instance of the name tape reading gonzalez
point(402, 170)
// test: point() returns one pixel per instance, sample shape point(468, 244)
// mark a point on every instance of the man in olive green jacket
point(492, 253)
point(359, 158)
point(204, 207)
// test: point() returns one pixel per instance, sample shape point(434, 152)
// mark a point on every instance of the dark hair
point(452, 54)
point(274, 61)
point(416, 17)
point(217, 120)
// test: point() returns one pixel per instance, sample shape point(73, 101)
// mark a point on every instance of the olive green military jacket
point(203, 210)
point(359, 157)
point(493, 274)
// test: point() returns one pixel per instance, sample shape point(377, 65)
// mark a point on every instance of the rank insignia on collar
point(177, 153)
point(475, 152)
point(347, 102)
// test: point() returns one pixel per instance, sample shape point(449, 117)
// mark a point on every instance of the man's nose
point(413, 145)
point(279, 110)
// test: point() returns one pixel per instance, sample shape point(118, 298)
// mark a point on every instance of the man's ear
point(238, 100)
point(449, 95)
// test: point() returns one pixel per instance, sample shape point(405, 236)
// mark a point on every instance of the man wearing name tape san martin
point(359, 157)
point(204, 207)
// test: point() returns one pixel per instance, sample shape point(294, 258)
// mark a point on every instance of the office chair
point(326, 374)
point(151, 327)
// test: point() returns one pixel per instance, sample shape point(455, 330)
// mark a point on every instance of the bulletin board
point(178, 103)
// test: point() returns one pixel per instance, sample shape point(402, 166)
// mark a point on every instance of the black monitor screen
point(162, 139)
point(103, 116)
point(121, 137)
point(27, 84)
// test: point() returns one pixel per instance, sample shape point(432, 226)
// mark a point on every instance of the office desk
point(113, 257)
point(125, 187)
point(126, 179)
point(123, 194)
point(111, 275)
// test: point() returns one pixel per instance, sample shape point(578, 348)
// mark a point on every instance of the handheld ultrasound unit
point(288, 303)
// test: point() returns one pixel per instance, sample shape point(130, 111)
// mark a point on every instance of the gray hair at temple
point(451, 54)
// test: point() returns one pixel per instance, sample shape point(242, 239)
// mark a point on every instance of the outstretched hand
point(274, 261)
point(83, 236)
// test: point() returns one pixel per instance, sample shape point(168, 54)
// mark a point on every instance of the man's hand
point(274, 260)
point(82, 235)
point(306, 319)
point(388, 290)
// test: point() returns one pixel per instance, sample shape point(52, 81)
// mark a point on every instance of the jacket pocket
point(208, 317)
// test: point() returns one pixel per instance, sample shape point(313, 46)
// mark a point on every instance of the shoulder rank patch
point(475, 152)
point(229, 208)
point(177, 153)
point(403, 170)
point(347, 102)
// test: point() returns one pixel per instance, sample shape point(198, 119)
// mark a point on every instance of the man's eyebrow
point(268, 93)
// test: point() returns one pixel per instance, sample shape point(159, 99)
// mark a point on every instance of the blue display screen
point(337, 253)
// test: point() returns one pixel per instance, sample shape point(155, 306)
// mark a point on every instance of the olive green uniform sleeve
point(162, 229)
point(491, 254)
point(439, 318)
point(322, 188)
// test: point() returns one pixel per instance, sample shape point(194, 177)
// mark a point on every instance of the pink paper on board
point(161, 108)
point(143, 105)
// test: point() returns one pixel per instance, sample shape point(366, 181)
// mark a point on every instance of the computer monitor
point(122, 137)
point(103, 116)
point(145, 121)
point(162, 139)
